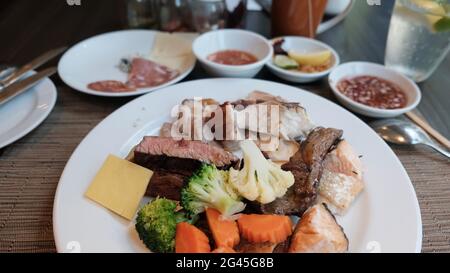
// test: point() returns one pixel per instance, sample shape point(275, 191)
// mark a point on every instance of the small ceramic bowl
point(232, 39)
point(354, 69)
point(302, 45)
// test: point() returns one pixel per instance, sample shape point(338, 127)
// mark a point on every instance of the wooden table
point(31, 167)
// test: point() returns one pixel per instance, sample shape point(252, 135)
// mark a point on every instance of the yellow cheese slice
point(119, 186)
point(173, 50)
point(171, 45)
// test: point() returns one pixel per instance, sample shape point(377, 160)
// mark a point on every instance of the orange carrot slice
point(223, 249)
point(257, 228)
point(189, 239)
point(225, 232)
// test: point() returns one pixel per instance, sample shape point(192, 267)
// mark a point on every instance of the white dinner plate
point(22, 114)
point(97, 59)
point(384, 218)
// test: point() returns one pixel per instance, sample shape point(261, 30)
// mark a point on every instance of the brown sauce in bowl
point(232, 57)
point(374, 92)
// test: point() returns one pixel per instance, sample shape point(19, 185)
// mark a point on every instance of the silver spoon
point(404, 133)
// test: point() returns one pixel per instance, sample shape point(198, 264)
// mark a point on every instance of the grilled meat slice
point(165, 184)
point(306, 166)
point(318, 143)
point(173, 161)
point(153, 149)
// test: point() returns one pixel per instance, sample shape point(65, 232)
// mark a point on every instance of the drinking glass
point(208, 14)
point(143, 13)
point(419, 37)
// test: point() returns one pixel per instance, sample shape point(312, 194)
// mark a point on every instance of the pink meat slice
point(145, 73)
point(110, 86)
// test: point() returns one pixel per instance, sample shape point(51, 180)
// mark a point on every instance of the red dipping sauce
point(374, 92)
point(232, 57)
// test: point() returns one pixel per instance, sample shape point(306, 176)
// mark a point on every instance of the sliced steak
point(165, 184)
point(306, 166)
point(318, 143)
point(152, 149)
point(174, 161)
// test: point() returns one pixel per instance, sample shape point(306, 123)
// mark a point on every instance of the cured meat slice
point(145, 73)
point(110, 86)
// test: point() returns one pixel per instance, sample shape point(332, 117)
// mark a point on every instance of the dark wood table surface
point(30, 168)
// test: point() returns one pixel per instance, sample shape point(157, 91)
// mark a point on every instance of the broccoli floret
point(156, 224)
point(208, 188)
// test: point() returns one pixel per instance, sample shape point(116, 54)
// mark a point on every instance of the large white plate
point(96, 59)
point(25, 112)
point(386, 217)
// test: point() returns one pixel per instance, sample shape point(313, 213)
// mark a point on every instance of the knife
point(17, 88)
point(30, 66)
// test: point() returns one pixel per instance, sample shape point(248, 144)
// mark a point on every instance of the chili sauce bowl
point(302, 45)
point(355, 69)
point(232, 39)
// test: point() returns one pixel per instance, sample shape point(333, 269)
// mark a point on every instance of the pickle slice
point(285, 62)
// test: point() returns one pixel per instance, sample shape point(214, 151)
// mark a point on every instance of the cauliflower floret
point(260, 179)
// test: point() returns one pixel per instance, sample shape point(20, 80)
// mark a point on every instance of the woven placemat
point(30, 170)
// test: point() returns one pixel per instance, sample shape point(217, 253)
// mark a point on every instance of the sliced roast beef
point(153, 149)
point(165, 184)
point(306, 166)
point(173, 161)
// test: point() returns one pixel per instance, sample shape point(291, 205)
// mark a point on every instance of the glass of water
point(143, 13)
point(419, 37)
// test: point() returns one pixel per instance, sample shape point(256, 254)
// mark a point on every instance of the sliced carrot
point(189, 239)
point(223, 249)
point(225, 232)
point(261, 228)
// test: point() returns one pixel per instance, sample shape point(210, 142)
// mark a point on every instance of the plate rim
point(416, 208)
point(43, 114)
point(138, 92)
point(327, 25)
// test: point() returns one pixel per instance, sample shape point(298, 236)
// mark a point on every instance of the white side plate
point(21, 115)
point(97, 58)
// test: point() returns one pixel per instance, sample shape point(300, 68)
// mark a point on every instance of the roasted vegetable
point(190, 239)
point(260, 179)
point(208, 188)
point(156, 224)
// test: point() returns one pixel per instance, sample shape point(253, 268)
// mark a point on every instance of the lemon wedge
point(316, 58)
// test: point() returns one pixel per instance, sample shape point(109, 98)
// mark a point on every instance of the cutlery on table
point(17, 74)
point(6, 71)
point(19, 87)
point(430, 130)
point(401, 132)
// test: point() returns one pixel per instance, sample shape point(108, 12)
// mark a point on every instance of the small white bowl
point(354, 69)
point(232, 39)
point(303, 45)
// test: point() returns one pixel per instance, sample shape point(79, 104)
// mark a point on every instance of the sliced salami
point(145, 73)
point(110, 86)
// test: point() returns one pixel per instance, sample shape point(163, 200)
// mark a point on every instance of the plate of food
point(235, 165)
point(127, 63)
